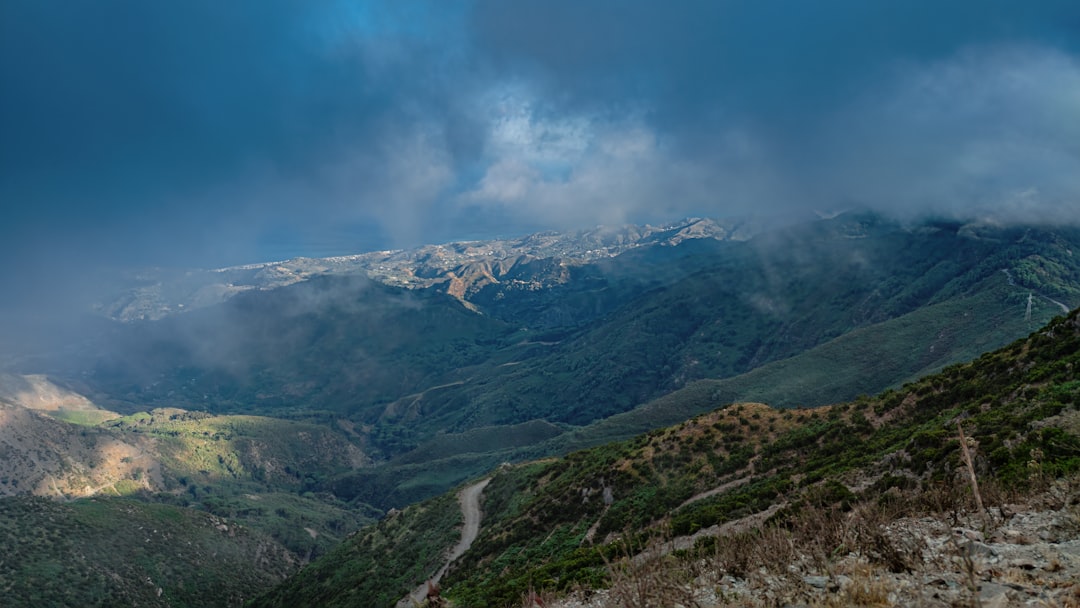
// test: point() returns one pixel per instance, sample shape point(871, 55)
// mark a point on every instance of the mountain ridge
point(301, 412)
point(787, 475)
point(457, 268)
point(413, 371)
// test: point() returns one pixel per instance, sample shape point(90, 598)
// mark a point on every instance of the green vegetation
point(112, 552)
point(384, 397)
point(83, 417)
point(261, 471)
point(200, 446)
point(549, 528)
point(217, 509)
point(379, 565)
point(842, 317)
point(863, 361)
point(413, 364)
point(812, 314)
point(1010, 403)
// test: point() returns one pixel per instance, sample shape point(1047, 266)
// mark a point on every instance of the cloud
point(988, 131)
point(916, 107)
point(202, 133)
point(596, 170)
point(723, 108)
point(124, 118)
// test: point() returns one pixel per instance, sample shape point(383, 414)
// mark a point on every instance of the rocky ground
point(1014, 555)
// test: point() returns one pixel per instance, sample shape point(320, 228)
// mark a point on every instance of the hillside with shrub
point(548, 530)
point(815, 313)
point(304, 412)
point(254, 471)
point(124, 552)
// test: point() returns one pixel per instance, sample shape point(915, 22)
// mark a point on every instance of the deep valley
point(284, 409)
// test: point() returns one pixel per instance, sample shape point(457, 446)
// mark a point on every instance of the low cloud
point(986, 132)
point(202, 133)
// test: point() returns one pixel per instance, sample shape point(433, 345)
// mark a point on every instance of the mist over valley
point(539, 303)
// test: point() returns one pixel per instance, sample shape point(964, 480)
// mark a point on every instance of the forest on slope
point(1018, 407)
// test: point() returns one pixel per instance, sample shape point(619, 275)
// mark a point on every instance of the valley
point(302, 402)
point(864, 502)
point(539, 304)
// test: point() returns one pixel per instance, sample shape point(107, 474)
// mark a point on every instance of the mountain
point(124, 552)
point(253, 470)
point(460, 269)
point(561, 352)
point(160, 508)
point(757, 503)
point(298, 411)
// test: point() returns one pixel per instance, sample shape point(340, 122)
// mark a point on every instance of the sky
point(208, 133)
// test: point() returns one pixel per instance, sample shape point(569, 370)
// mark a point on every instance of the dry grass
point(650, 576)
point(858, 557)
point(865, 587)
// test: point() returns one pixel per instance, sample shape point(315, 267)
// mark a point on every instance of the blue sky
point(207, 133)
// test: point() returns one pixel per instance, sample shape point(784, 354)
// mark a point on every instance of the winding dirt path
point(1064, 308)
point(469, 499)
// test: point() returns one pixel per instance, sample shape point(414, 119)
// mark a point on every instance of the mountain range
point(460, 268)
point(804, 315)
point(750, 505)
point(301, 400)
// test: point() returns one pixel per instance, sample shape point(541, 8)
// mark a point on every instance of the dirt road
point(469, 499)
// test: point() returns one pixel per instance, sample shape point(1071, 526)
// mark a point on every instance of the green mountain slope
point(421, 378)
point(726, 308)
point(547, 526)
point(862, 361)
point(122, 552)
point(331, 343)
point(258, 471)
point(381, 564)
